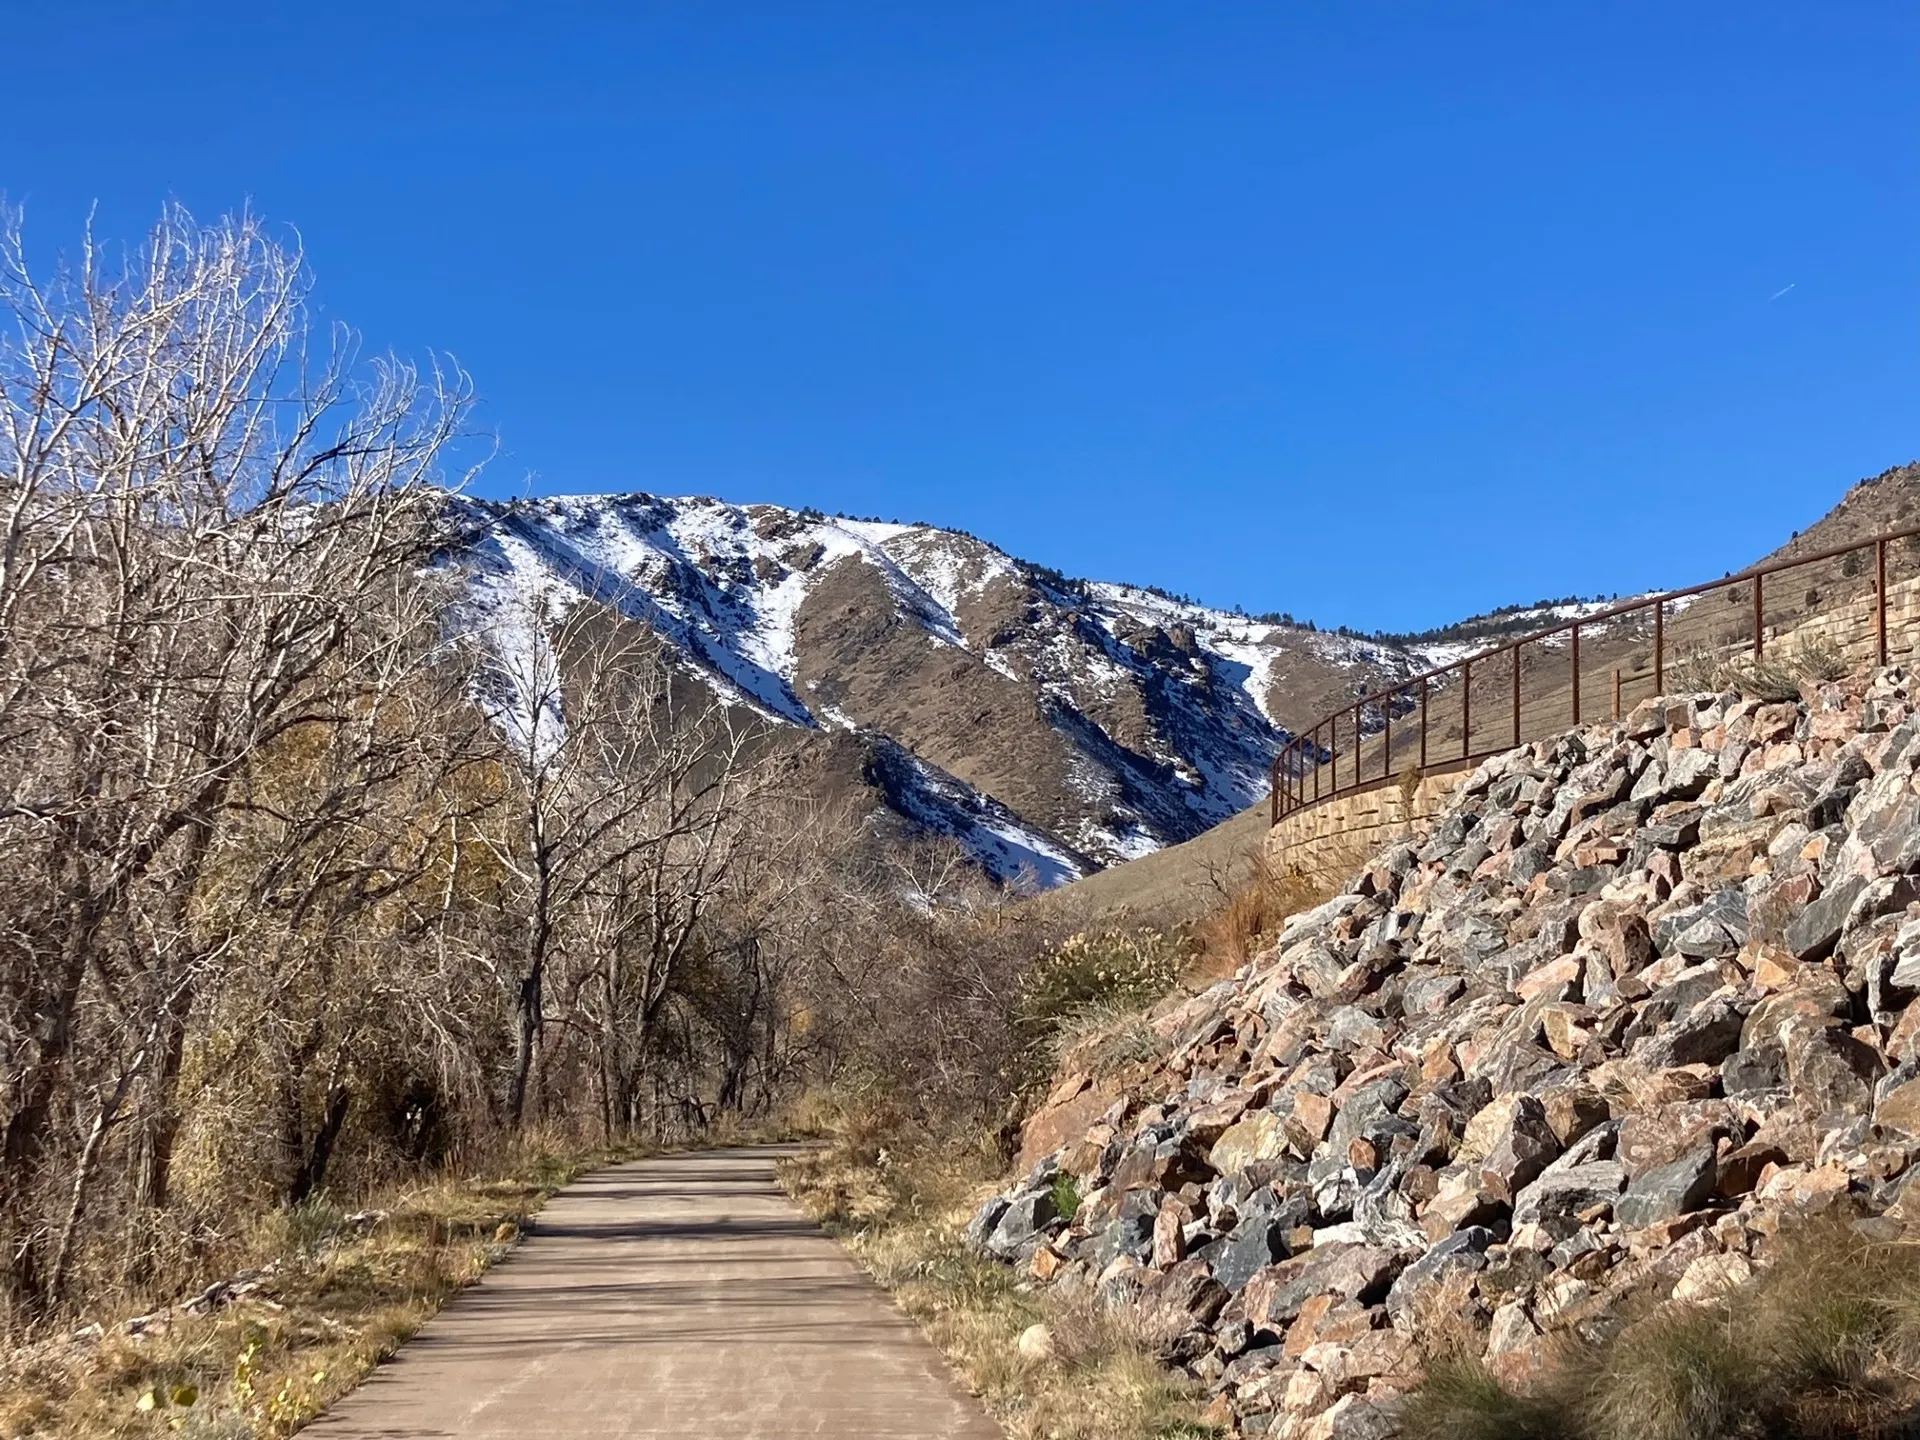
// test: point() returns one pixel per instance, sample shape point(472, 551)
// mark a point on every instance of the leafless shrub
point(317, 880)
point(1777, 674)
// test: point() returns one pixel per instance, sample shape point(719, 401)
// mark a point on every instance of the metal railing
point(1309, 768)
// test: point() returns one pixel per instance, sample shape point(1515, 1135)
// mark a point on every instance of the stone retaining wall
point(1331, 841)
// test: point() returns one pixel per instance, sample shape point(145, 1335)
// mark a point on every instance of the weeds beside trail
point(909, 1158)
point(900, 1213)
point(1824, 1343)
point(337, 1293)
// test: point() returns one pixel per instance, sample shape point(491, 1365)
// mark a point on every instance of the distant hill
point(1883, 502)
point(1051, 725)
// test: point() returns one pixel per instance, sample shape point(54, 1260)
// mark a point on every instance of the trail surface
point(679, 1296)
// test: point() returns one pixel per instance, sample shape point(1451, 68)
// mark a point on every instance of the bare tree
point(204, 513)
point(628, 787)
point(330, 851)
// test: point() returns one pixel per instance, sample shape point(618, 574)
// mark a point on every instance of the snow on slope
point(724, 585)
point(1515, 623)
point(999, 840)
point(713, 578)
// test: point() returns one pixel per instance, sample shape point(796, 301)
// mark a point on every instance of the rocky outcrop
point(1049, 725)
point(1641, 995)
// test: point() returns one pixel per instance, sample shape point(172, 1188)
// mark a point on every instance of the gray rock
point(1717, 926)
point(1022, 1222)
point(1761, 1066)
point(1557, 1199)
point(1463, 1250)
point(1705, 1035)
point(1886, 821)
point(1817, 930)
point(1253, 1245)
point(983, 1223)
point(1369, 1112)
point(1531, 859)
point(1676, 830)
point(1688, 773)
point(1131, 1233)
point(1676, 1188)
point(1272, 1298)
point(1430, 994)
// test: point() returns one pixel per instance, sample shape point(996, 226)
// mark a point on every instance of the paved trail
point(681, 1296)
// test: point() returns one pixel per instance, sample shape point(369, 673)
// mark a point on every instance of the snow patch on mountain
point(999, 840)
point(1163, 704)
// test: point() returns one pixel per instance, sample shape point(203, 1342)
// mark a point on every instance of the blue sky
point(1379, 313)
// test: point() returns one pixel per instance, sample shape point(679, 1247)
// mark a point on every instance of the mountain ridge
point(1097, 721)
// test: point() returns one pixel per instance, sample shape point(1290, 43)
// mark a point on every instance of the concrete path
point(681, 1296)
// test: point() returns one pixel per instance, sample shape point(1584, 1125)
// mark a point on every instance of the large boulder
point(1523, 1144)
point(1665, 1191)
point(1273, 1297)
point(1022, 1223)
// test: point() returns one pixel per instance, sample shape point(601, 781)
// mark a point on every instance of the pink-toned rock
point(1555, 975)
point(1168, 1249)
point(1050, 1129)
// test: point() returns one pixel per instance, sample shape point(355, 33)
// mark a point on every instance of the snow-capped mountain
point(1053, 726)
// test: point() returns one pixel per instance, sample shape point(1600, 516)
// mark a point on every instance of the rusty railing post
point(1759, 619)
point(1386, 742)
point(1576, 672)
point(1466, 707)
point(1516, 695)
point(1880, 598)
point(1616, 692)
point(1423, 722)
point(1659, 647)
point(1359, 772)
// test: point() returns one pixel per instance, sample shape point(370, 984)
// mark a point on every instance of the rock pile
point(1642, 993)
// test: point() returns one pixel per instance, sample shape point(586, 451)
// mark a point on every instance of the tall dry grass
point(1823, 1343)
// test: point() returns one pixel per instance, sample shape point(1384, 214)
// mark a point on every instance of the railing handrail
point(1756, 572)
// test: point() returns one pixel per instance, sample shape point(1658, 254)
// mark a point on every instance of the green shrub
point(1066, 1196)
point(1114, 970)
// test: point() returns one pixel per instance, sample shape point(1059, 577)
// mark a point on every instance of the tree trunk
point(23, 1143)
point(83, 1176)
point(156, 1177)
point(526, 1043)
point(312, 1173)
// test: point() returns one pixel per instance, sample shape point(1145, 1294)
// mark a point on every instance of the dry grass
point(338, 1299)
point(1776, 675)
point(1822, 1344)
point(1677, 1375)
point(901, 1217)
point(1105, 1039)
point(1462, 1400)
point(1249, 920)
point(1232, 934)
